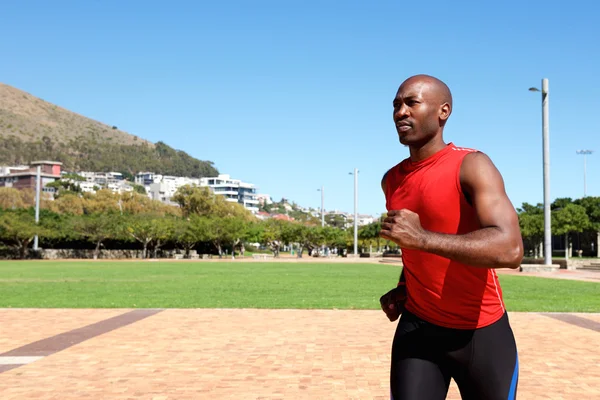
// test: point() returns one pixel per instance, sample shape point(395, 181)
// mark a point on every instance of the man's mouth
point(403, 126)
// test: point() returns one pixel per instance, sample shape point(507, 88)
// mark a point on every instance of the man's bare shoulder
point(387, 173)
point(477, 159)
point(478, 170)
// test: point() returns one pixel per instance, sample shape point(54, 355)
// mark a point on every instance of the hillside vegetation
point(33, 129)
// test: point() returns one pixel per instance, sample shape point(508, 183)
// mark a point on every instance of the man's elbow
point(513, 256)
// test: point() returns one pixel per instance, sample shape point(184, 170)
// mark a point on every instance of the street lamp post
point(546, 161)
point(585, 153)
point(355, 210)
point(38, 183)
point(322, 190)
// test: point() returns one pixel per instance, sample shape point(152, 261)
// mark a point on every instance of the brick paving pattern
point(264, 354)
point(19, 327)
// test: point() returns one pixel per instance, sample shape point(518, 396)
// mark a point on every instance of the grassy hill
point(31, 128)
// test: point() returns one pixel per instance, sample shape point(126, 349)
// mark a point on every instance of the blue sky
point(293, 95)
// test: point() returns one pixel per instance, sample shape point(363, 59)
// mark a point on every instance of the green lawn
point(102, 284)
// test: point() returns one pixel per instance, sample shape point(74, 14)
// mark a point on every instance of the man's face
point(416, 112)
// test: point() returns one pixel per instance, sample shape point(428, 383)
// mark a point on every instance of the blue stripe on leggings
point(515, 378)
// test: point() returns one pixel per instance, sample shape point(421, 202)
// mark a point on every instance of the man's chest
point(435, 197)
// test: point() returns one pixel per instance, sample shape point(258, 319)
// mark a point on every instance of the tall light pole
point(585, 153)
point(355, 210)
point(38, 183)
point(322, 190)
point(546, 161)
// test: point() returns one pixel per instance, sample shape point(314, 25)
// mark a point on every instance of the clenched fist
point(392, 303)
point(403, 227)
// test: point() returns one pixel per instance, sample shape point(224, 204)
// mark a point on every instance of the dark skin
point(421, 108)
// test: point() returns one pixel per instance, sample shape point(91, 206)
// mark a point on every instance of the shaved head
point(435, 87)
point(422, 106)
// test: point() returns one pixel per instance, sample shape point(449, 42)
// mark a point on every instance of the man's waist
point(457, 315)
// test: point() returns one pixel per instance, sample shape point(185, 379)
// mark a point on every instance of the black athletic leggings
point(483, 362)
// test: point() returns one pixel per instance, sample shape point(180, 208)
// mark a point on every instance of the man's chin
point(404, 141)
point(411, 140)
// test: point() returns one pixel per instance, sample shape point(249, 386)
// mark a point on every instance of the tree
point(568, 219)
point(11, 198)
point(334, 238)
point(64, 187)
point(592, 209)
point(127, 176)
point(103, 201)
point(531, 222)
point(68, 204)
point(560, 202)
point(139, 189)
point(254, 233)
point(336, 220)
point(164, 230)
point(190, 231)
point(98, 227)
point(74, 177)
point(370, 232)
point(194, 200)
point(19, 227)
point(58, 227)
point(314, 237)
point(294, 232)
point(202, 201)
point(234, 230)
point(225, 230)
point(272, 235)
point(136, 203)
point(145, 228)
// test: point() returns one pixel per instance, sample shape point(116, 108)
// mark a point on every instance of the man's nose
point(401, 111)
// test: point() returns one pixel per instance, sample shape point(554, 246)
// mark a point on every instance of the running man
point(449, 213)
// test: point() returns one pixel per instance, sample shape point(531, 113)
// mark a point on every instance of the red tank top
point(442, 291)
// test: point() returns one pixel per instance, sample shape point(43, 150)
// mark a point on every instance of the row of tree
point(201, 219)
point(572, 220)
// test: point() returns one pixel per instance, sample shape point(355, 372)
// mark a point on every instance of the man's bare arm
point(498, 244)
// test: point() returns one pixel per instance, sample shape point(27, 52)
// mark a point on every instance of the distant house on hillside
point(264, 199)
point(263, 215)
point(25, 177)
point(282, 217)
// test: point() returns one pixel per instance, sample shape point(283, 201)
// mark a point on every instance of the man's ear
point(445, 111)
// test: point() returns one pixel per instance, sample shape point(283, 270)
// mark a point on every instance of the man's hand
point(392, 303)
point(403, 227)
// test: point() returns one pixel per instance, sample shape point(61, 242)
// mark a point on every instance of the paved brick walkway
point(259, 354)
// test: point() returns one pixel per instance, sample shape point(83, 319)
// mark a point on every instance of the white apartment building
point(147, 178)
point(102, 180)
point(163, 188)
point(7, 170)
point(364, 219)
point(88, 186)
point(234, 190)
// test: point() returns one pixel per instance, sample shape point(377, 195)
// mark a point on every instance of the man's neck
point(427, 150)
